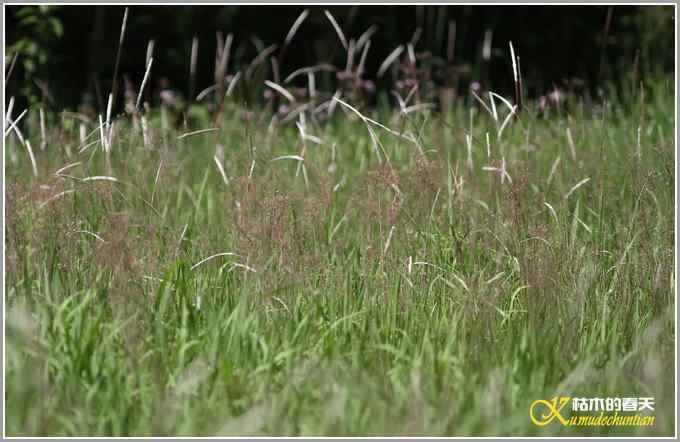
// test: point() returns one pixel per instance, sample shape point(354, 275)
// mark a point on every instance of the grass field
point(341, 280)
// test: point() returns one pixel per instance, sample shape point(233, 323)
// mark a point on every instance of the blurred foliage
point(39, 29)
point(653, 32)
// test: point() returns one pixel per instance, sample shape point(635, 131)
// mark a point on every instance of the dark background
point(71, 50)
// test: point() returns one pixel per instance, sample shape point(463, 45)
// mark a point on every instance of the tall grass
point(422, 278)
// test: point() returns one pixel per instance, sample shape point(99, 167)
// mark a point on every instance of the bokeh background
point(69, 51)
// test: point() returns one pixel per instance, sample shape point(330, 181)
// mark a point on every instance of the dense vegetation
point(320, 266)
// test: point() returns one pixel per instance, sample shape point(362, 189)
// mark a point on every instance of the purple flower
point(556, 96)
point(283, 110)
point(168, 97)
point(368, 86)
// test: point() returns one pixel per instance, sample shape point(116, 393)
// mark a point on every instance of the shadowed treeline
point(67, 51)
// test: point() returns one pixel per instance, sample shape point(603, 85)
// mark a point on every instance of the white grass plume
point(370, 120)
point(505, 101)
point(26, 143)
point(123, 26)
point(259, 59)
point(514, 63)
point(67, 167)
point(100, 178)
point(149, 52)
point(43, 130)
point(220, 167)
point(8, 112)
point(13, 125)
point(553, 169)
point(506, 121)
point(350, 56)
point(213, 257)
point(280, 89)
point(573, 189)
point(102, 135)
point(204, 93)
point(366, 36)
point(552, 211)
point(468, 142)
point(308, 69)
point(389, 240)
point(493, 107)
point(92, 234)
point(224, 60)
point(474, 94)
point(144, 80)
point(337, 28)
point(488, 146)
point(411, 54)
point(34, 166)
point(362, 61)
point(296, 25)
point(572, 146)
point(289, 157)
point(232, 83)
point(389, 60)
point(55, 197)
point(197, 132)
point(194, 57)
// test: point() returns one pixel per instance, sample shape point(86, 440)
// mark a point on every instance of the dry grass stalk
point(486, 48)
point(513, 112)
point(102, 135)
point(32, 158)
point(114, 85)
point(82, 132)
point(468, 142)
point(146, 134)
point(553, 169)
point(13, 125)
point(218, 158)
point(26, 143)
point(149, 52)
point(8, 113)
point(572, 145)
point(362, 61)
point(350, 56)
point(8, 75)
